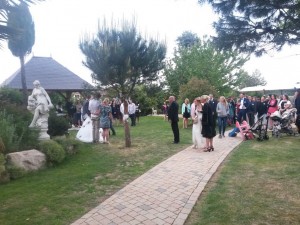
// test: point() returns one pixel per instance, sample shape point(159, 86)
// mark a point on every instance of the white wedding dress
point(196, 134)
point(85, 133)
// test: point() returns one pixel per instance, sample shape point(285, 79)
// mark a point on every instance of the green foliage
point(4, 177)
point(148, 97)
point(20, 19)
point(14, 130)
point(257, 25)
point(57, 125)
point(10, 96)
point(220, 68)
point(14, 122)
point(187, 39)
point(53, 151)
point(7, 132)
point(70, 145)
point(252, 80)
point(15, 172)
point(195, 88)
point(120, 58)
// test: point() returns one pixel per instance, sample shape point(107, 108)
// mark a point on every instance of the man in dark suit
point(173, 118)
point(243, 108)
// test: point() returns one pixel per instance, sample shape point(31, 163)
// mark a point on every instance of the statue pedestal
point(44, 135)
point(42, 125)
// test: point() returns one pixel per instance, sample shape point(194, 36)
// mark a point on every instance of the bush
point(53, 151)
point(15, 172)
point(14, 130)
point(70, 146)
point(57, 125)
point(4, 177)
point(19, 118)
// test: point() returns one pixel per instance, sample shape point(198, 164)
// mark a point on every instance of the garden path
point(166, 193)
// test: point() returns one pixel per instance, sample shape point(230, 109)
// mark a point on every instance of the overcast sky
point(60, 24)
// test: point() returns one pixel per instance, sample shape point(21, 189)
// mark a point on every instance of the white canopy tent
point(268, 88)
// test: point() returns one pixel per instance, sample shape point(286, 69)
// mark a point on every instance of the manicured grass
point(63, 193)
point(259, 183)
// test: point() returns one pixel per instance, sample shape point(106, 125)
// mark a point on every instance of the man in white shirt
point(131, 112)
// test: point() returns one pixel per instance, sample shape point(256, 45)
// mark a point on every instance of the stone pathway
point(165, 194)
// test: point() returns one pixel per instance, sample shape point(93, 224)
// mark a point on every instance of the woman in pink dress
point(272, 107)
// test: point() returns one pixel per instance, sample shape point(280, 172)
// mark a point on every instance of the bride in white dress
point(196, 113)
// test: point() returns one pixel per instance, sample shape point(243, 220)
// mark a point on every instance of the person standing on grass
point(173, 118)
point(272, 107)
point(131, 112)
point(208, 125)
point(297, 106)
point(186, 112)
point(244, 104)
point(94, 107)
point(223, 112)
point(105, 119)
point(196, 114)
point(251, 111)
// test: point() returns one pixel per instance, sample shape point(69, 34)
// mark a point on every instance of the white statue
point(39, 104)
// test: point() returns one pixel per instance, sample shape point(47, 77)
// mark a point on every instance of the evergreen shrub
point(53, 151)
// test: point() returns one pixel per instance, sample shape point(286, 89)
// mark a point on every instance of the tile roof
point(51, 74)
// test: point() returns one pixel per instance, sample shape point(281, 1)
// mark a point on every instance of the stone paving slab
point(167, 193)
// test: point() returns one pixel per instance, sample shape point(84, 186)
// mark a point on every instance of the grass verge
point(257, 184)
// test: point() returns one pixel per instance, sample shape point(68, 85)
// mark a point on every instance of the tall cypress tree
point(20, 19)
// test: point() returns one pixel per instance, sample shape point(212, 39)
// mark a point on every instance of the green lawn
point(259, 183)
point(62, 194)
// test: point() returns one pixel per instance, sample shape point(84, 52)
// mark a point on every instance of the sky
point(60, 24)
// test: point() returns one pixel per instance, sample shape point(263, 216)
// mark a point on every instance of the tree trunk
point(23, 81)
point(126, 127)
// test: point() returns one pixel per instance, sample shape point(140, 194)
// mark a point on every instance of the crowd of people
point(206, 112)
point(94, 114)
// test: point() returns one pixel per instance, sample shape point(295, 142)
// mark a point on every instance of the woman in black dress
point(208, 125)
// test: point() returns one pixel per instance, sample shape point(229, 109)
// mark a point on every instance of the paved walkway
point(165, 194)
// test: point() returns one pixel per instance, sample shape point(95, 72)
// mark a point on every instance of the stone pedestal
point(42, 125)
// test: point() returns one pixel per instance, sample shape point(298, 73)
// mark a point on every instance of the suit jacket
point(173, 112)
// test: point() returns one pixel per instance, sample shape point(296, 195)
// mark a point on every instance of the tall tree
point(252, 80)
point(20, 45)
point(5, 7)
point(256, 26)
point(187, 39)
point(203, 61)
point(119, 57)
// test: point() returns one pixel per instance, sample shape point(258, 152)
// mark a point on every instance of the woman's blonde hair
point(187, 100)
point(223, 98)
point(106, 100)
point(205, 97)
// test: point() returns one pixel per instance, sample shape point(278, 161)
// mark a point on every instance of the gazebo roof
point(51, 74)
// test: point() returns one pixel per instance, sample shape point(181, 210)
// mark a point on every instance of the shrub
point(15, 172)
point(53, 151)
point(70, 145)
point(4, 177)
point(8, 135)
point(57, 125)
point(14, 130)
point(10, 96)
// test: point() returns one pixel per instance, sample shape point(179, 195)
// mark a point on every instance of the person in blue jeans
point(222, 111)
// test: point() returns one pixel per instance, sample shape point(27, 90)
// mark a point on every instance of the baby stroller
point(284, 123)
point(261, 128)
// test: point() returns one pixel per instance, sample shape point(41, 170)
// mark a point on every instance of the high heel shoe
point(207, 149)
point(212, 149)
